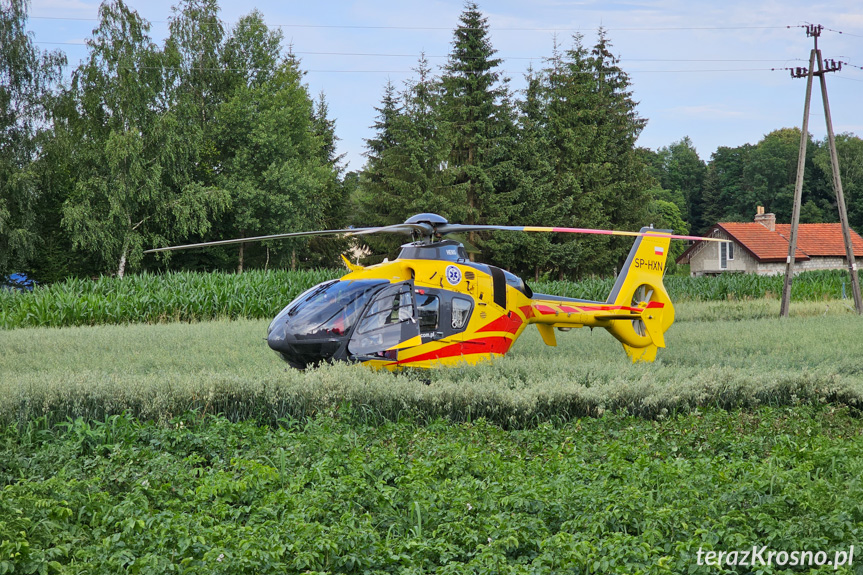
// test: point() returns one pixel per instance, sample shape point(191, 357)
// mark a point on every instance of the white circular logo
point(453, 275)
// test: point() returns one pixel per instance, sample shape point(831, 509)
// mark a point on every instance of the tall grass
point(187, 296)
point(161, 371)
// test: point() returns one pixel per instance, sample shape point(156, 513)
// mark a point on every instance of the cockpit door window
point(460, 312)
point(389, 320)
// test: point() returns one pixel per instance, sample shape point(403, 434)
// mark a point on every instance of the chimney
point(766, 220)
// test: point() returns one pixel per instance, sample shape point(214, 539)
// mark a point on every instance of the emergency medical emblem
point(453, 275)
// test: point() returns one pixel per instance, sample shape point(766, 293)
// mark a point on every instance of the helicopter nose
point(276, 338)
point(297, 352)
point(278, 341)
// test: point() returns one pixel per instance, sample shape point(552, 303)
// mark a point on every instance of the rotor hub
point(426, 225)
point(427, 218)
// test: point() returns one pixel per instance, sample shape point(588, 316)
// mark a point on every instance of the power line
point(385, 55)
point(810, 27)
point(844, 33)
point(439, 28)
point(699, 71)
point(503, 72)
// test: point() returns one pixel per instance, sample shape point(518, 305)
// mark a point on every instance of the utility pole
point(798, 185)
point(837, 187)
point(814, 31)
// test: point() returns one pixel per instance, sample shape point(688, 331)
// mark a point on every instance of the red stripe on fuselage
point(508, 324)
point(613, 308)
point(483, 345)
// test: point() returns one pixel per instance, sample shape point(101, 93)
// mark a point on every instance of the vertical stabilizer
point(640, 285)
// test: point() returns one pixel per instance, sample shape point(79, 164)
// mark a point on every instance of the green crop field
point(191, 448)
point(258, 294)
point(617, 494)
point(161, 371)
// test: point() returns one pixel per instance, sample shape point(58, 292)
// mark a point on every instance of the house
point(761, 247)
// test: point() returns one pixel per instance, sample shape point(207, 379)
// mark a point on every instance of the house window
point(726, 252)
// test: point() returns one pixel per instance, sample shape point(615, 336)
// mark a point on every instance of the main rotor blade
point(423, 229)
point(255, 239)
point(455, 228)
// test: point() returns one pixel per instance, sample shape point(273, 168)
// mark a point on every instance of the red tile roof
point(764, 245)
point(822, 239)
point(813, 240)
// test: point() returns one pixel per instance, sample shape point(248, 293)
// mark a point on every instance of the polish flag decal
point(658, 251)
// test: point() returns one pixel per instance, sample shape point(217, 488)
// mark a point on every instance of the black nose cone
point(276, 337)
point(301, 351)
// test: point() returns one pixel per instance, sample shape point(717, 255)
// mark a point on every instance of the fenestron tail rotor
point(640, 299)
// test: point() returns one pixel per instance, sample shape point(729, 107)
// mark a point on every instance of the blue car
point(17, 282)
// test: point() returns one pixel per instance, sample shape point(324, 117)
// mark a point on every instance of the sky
point(700, 69)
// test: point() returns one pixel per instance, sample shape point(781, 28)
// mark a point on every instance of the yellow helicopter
point(433, 307)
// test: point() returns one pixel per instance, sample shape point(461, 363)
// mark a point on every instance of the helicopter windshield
point(329, 309)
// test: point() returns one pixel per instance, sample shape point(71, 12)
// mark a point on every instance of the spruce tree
point(479, 116)
point(332, 202)
point(593, 125)
point(534, 201)
point(405, 171)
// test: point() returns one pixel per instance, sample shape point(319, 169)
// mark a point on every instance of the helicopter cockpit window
point(388, 321)
point(428, 308)
point(388, 308)
point(329, 309)
point(460, 312)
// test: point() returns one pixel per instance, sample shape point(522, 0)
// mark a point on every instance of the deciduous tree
point(27, 75)
point(125, 137)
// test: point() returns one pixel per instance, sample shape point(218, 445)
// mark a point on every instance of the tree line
point(210, 134)
point(734, 181)
point(213, 134)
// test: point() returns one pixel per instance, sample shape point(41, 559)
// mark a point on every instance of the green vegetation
point(334, 495)
point(725, 355)
point(216, 136)
point(735, 180)
point(257, 294)
point(153, 298)
point(213, 135)
point(463, 145)
point(190, 447)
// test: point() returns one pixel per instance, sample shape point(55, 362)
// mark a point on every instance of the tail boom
point(638, 311)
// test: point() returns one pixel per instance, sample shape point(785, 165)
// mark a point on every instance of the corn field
point(808, 286)
point(152, 298)
point(195, 296)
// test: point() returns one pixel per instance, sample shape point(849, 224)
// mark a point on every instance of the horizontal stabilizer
point(652, 318)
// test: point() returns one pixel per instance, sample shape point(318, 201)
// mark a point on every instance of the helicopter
point(433, 307)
